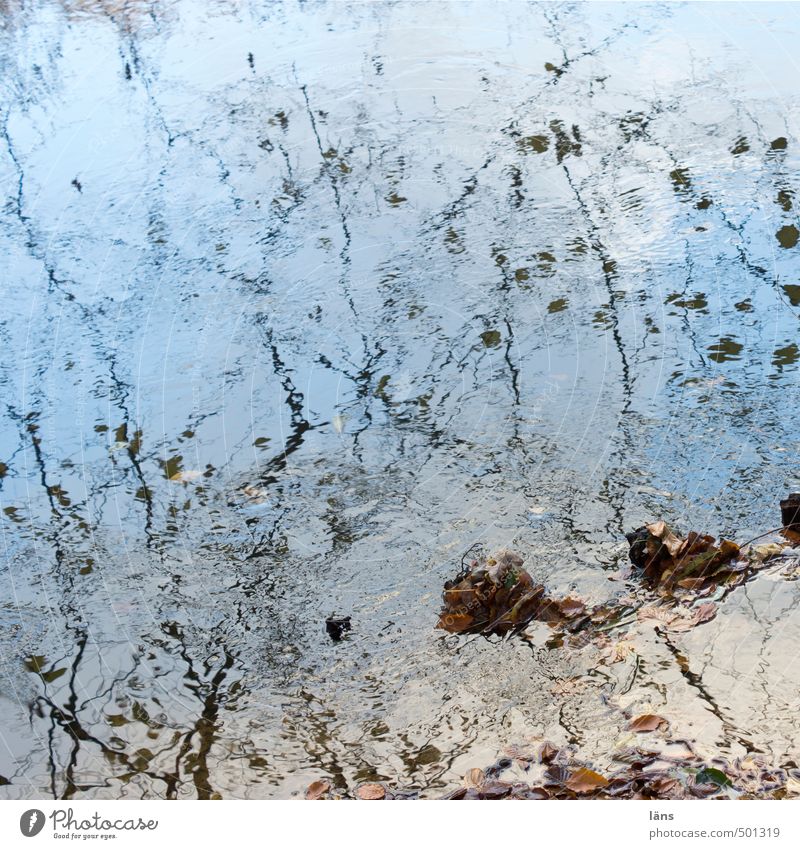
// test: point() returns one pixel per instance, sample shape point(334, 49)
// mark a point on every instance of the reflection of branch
point(205, 726)
point(67, 717)
point(300, 425)
point(695, 681)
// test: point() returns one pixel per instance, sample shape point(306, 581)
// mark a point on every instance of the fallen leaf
point(620, 651)
point(647, 722)
point(585, 780)
point(317, 789)
point(186, 476)
point(571, 607)
point(710, 775)
point(679, 619)
point(792, 787)
point(475, 778)
point(568, 686)
point(523, 753)
point(494, 790)
point(661, 531)
point(656, 613)
point(765, 552)
point(371, 792)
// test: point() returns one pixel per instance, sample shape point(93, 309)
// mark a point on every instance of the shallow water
point(301, 301)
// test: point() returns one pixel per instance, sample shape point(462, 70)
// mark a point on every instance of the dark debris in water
point(337, 625)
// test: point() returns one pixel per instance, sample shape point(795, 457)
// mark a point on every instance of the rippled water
point(301, 301)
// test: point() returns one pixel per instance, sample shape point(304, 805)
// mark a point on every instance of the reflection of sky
point(342, 276)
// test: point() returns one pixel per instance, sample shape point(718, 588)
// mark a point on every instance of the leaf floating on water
point(558, 305)
point(256, 493)
point(547, 753)
point(645, 775)
point(620, 651)
point(497, 595)
point(787, 236)
point(585, 780)
point(710, 775)
point(648, 722)
point(538, 144)
point(668, 561)
point(371, 792)
point(186, 475)
point(475, 778)
point(572, 607)
point(491, 338)
point(792, 787)
point(317, 789)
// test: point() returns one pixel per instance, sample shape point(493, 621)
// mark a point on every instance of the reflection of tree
point(86, 726)
point(209, 689)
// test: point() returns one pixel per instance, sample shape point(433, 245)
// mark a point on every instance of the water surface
point(300, 301)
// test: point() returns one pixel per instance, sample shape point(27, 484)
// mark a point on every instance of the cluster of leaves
point(497, 596)
point(642, 774)
point(695, 565)
point(545, 772)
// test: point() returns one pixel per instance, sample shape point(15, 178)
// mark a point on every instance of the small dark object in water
point(790, 511)
point(336, 625)
point(637, 540)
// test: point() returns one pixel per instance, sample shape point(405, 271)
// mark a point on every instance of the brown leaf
point(475, 778)
point(705, 613)
point(186, 476)
point(536, 793)
point(317, 789)
point(647, 722)
point(455, 622)
point(547, 753)
point(571, 607)
point(659, 614)
point(669, 540)
point(494, 790)
point(585, 780)
point(371, 792)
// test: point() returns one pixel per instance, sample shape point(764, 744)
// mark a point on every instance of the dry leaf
point(317, 789)
point(371, 792)
point(585, 780)
point(186, 476)
point(647, 722)
point(661, 531)
point(571, 607)
point(620, 651)
point(475, 778)
point(765, 552)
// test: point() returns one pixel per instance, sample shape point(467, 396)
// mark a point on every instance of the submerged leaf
point(585, 780)
point(647, 722)
point(317, 789)
point(475, 778)
point(710, 775)
point(371, 792)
